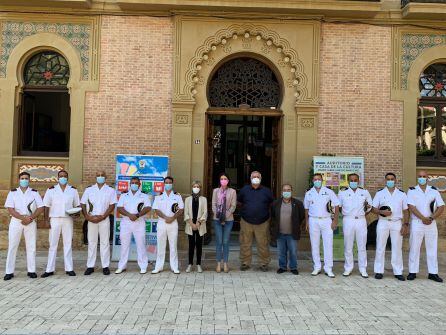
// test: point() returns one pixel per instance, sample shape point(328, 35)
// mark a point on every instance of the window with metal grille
point(244, 81)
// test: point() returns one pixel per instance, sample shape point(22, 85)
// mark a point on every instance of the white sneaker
point(315, 272)
point(364, 274)
point(118, 271)
point(346, 273)
point(177, 272)
point(154, 272)
point(189, 268)
point(330, 274)
point(143, 271)
point(199, 269)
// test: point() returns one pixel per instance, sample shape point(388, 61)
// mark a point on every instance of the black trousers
point(195, 242)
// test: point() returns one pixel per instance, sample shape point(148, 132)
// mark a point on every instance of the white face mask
point(255, 181)
point(196, 190)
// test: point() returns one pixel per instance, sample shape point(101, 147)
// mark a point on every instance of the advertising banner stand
point(151, 170)
point(335, 171)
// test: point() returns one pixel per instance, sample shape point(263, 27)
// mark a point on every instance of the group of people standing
point(262, 218)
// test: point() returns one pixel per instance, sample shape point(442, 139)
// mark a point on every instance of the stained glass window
point(47, 68)
point(433, 81)
point(244, 81)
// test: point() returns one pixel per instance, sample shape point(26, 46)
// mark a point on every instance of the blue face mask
point(134, 187)
point(353, 185)
point(168, 187)
point(317, 183)
point(100, 180)
point(286, 195)
point(24, 182)
point(63, 180)
point(390, 183)
point(422, 181)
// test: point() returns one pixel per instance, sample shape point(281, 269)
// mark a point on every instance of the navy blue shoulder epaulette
point(434, 188)
point(124, 192)
point(34, 190)
point(51, 187)
point(380, 189)
point(74, 187)
point(401, 190)
point(411, 188)
point(13, 189)
point(344, 188)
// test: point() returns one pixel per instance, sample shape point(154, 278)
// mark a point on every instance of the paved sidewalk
point(209, 303)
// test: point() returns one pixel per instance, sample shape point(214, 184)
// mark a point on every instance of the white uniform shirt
point(316, 202)
point(352, 202)
point(59, 201)
point(164, 202)
point(130, 202)
point(397, 201)
point(21, 200)
point(100, 198)
point(422, 200)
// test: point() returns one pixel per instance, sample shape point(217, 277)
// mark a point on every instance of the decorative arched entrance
point(243, 122)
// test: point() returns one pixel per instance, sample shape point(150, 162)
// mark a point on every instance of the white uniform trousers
point(15, 234)
point(166, 232)
point(383, 229)
point(58, 226)
point(318, 227)
point(101, 230)
point(430, 234)
point(355, 227)
point(138, 230)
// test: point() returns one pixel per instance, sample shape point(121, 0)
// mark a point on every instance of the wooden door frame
point(242, 112)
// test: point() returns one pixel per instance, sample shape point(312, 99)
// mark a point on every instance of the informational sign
point(151, 170)
point(335, 171)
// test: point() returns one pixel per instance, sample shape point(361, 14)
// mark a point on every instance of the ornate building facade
point(221, 86)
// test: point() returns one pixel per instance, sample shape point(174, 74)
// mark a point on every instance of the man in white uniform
point(321, 204)
point(390, 203)
point(355, 203)
point(169, 206)
point(133, 205)
point(57, 200)
point(98, 202)
point(426, 205)
point(24, 204)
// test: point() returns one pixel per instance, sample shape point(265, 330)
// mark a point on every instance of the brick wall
point(131, 113)
point(357, 117)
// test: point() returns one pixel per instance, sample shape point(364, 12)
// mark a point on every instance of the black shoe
point(411, 276)
point(400, 277)
point(32, 275)
point(295, 272)
point(46, 274)
point(8, 276)
point(379, 276)
point(106, 271)
point(88, 272)
point(244, 267)
point(280, 270)
point(263, 268)
point(435, 277)
point(70, 273)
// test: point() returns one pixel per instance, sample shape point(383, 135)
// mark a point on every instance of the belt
point(390, 220)
point(354, 217)
point(320, 217)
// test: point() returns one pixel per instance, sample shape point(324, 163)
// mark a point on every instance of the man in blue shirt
point(256, 201)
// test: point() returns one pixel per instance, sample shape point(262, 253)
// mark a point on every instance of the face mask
point(196, 190)
point(168, 187)
point(422, 181)
point(224, 182)
point(100, 180)
point(255, 181)
point(24, 182)
point(63, 180)
point(317, 183)
point(134, 187)
point(390, 183)
point(353, 185)
point(286, 194)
